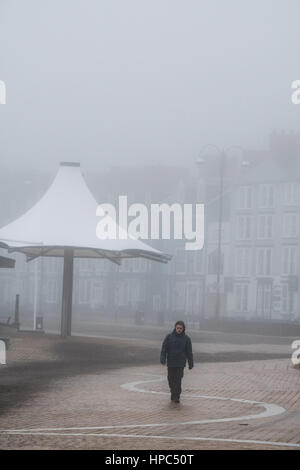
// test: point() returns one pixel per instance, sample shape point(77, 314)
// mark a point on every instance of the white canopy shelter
point(63, 224)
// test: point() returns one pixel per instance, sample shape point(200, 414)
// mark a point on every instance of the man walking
point(176, 350)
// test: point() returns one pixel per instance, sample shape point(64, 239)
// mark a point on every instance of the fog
point(188, 111)
point(134, 91)
point(132, 82)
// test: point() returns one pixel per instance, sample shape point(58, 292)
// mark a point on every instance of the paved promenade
point(111, 393)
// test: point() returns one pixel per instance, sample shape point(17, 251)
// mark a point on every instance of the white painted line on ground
point(181, 438)
point(270, 410)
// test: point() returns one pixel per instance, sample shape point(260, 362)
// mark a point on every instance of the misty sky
point(109, 82)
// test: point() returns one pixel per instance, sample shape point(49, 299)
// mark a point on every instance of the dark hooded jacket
point(176, 350)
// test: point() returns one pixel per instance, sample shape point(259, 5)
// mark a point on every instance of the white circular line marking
point(270, 410)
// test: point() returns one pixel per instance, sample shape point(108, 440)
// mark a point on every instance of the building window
point(102, 265)
point(179, 296)
point(97, 297)
point(285, 301)
point(282, 300)
point(51, 265)
point(213, 262)
point(245, 197)
point(35, 265)
point(244, 227)
point(264, 262)
point(193, 296)
point(140, 265)
point(264, 299)
point(290, 225)
point(265, 227)
point(156, 303)
point(85, 265)
point(84, 291)
point(289, 260)
point(135, 292)
point(266, 196)
point(180, 261)
point(241, 297)
point(291, 193)
point(51, 291)
point(198, 262)
point(243, 260)
point(123, 293)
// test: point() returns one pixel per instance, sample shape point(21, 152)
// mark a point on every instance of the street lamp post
point(220, 223)
point(223, 159)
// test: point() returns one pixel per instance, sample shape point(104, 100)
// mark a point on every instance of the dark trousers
point(175, 375)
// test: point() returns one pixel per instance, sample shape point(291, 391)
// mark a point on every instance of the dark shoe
point(177, 400)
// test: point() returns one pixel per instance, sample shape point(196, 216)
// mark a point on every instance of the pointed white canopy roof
point(66, 217)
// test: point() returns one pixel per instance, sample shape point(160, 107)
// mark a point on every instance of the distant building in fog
point(260, 246)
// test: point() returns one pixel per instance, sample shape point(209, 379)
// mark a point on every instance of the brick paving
point(55, 388)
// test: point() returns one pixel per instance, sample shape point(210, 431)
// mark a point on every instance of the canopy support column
point(66, 308)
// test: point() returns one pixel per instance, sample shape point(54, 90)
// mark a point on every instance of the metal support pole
point(17, 312)
point(222, 166)
point(66, 309)
point(36, 288)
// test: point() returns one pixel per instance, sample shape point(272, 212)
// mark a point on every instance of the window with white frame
point(214, 264)
point(85, 265)
point(281, 300)
point(123, 293)
point(245, 197)
point(84, 291)
point(135, 291)
point(34, 266)
point(266, 198)
point(179, 296)
point(97, 296)
point(198, 261)
point(180, 261)
point(102, 265)
point(244, 227)
point(193, 296)
point(290, 225)
point(264, 261)
point(289, 260)
point(285, 299)
point(243, 261)
point(51, 293)
point(52, 265)
point(241, 297)
point(291, 193)
point(140, 265)
point(171, 266)
point(156, 303)
point(136, 265)
point(264, 299)
point(265, 226)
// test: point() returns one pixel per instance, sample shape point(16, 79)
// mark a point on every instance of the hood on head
point(179, 322)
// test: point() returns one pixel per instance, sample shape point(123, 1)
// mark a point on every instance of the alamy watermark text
point(188, 222)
